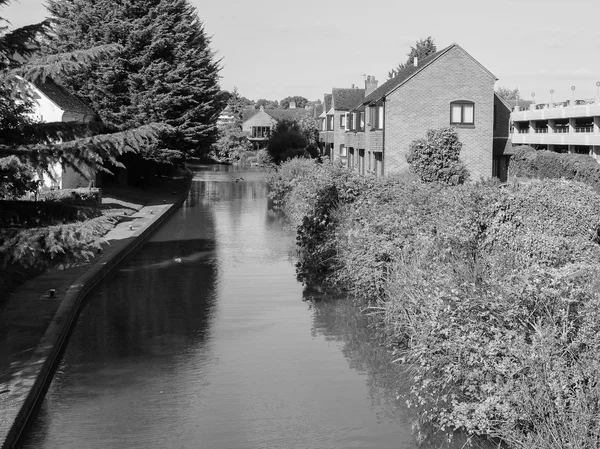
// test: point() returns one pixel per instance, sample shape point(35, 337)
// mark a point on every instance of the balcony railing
point(561, 130)
point(523, 131)
point(584, 129)
point(541, 130)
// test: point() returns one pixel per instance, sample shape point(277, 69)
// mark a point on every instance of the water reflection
point(219, 349)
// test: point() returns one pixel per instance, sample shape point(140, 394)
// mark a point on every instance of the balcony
point(547, 111)
point(556, 138)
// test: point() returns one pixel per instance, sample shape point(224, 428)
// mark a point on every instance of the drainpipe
point(383, 137)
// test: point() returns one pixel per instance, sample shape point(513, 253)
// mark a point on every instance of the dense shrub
point(82, 196)
point(541, 164)
point(27, 214)
point(487, 294)
point(436, 157)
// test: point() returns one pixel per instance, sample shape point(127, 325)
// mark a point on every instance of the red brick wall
point(424, 103)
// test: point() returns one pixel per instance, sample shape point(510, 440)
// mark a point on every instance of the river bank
point(35, 325)
point(486, 294)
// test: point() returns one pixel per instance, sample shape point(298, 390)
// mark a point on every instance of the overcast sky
point(275, 48)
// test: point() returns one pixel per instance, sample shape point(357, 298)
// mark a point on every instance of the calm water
point(220, 350)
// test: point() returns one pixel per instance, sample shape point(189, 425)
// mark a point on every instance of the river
point(220, 350)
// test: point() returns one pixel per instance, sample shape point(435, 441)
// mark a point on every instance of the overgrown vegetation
point(486, 294)
point(541, 164)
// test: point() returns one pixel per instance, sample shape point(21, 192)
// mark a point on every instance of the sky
point(277, 48)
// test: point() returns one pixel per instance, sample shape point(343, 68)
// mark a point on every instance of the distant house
point(52, 103)
point(260, 124)
point(334, 117)
point(447, 88)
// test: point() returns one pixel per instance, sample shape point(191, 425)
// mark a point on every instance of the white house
point(52, 103)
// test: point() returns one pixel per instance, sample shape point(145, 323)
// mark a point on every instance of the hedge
point(83, 196)
point(30, 214)
point(541, 164)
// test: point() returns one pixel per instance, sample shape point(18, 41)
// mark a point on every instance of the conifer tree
point(27, 147)
point(165, 72)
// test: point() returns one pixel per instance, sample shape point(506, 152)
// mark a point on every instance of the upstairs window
point(351, 125)
point(330, 123)
point(462, 113)
point(361, 121)
point(376, 117)
point(343, 121)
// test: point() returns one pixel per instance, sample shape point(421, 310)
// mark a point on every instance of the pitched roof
point(409, 72)
point(345, 99)
point(63, 99)
point(282, 114)
point(247, 113)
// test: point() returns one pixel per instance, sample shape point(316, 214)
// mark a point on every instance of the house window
point(351, 121)
point(343, 152)
point(261, 132)
point(323, 124)
point(376, 114)
point(462, 113)
point(343, 121)
point(361, 121)
point(330, 123)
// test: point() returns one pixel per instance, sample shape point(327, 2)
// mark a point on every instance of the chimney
point(416, 61)
point(352, 86)
point(292, 104)
point(370, 84)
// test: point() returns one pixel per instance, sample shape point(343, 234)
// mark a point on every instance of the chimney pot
point(370, 84)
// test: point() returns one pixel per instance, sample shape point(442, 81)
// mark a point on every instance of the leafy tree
point(165, 71)
point(232, 141)
point(422, 49)
point(436, 158)
point(508, 94)
point(289, 140)
point(267, 104)
point(300, 102)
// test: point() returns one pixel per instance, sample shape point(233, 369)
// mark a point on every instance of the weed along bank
point(487, 296)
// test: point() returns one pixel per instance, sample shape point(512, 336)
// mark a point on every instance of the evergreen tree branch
point(54, 66)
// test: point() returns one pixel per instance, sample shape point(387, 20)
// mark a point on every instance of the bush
point(28, 214)
point(83, 196)
point(52, 245)
point(540, 164)
point(436, 158)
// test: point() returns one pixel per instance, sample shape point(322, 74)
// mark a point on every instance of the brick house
point(260, 124)
point(333, 120)
point(53, 103)
point(447, 88)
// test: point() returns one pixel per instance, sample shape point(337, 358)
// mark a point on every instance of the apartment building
point(570, 126)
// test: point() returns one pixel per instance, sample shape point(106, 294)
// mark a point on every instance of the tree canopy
point(422, 49)
point(293, 138)
point(508, 94)
point(165, 70)
point(300, 102)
